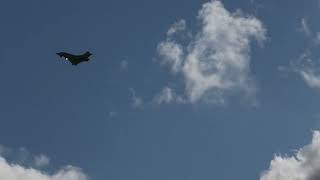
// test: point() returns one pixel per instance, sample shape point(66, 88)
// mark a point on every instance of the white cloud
point(137, 102)
point(21, 167)
point(216, 61)
point(41, 161)
point(167, 96)
point(304, 165)
point(171, 54)
point(17, 172)
point(311, 79)
point(177, 27)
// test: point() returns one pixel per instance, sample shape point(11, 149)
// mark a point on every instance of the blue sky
point(175, 89)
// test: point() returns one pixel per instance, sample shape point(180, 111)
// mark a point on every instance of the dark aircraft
point(75, 59)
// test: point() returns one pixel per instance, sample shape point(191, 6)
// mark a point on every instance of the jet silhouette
point(75, 59)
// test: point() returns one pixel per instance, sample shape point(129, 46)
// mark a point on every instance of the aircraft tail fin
point(87, 53)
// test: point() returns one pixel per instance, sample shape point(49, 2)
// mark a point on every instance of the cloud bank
point(21, 170)
point(215, 62)
point(304, 165)
point(16, 172)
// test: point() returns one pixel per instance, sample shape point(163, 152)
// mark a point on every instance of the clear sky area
point(173, 90)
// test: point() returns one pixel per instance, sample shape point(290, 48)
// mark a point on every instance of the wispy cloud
point(304, 165)
point(167, 96)
point(41, 161)
point(124, 64)
point(257, 4)
point(305, 27)
point(305, 65)
point(177, 27)
point(137, 101)
point(311, 78)
point(4, 150)
point(112, 114)
point(216, 61)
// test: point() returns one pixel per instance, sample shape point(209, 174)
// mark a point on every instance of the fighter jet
point(75, 59)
